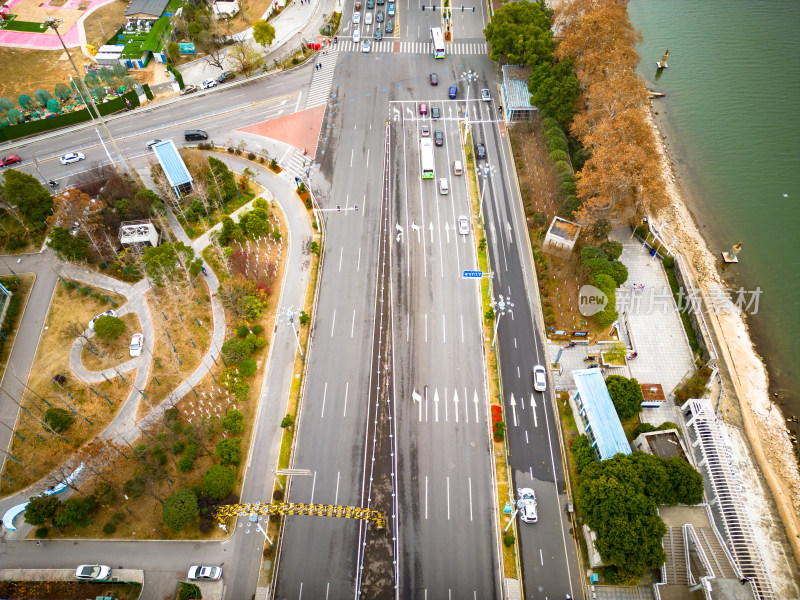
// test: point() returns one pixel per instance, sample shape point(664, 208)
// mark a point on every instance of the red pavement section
point(300, 129)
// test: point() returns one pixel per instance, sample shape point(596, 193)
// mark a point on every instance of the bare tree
point(216, 58)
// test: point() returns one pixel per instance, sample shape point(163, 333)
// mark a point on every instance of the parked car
point(137, 342)
point(208, 84)
point(370, 4)
point(357, 36)
point(423, 108)
point(438, 137)
point(539, 378)
point(389, 26)
point(434, 112)
point(425, 131)
point(109, 313)
point(480, 150)
point(434, 79)
point(189, 89)
point(208, 573)
point(357, 16)
point(527, 505)
point(368, 19)
point(72, 157)
point(92, 572)
point(379, 16)
point(452, 92)
point(152, 143)
point(486, 95)
point(225, 76)
point(10, 160)
point(390, 10)
point(381, 2)
point(358, 4)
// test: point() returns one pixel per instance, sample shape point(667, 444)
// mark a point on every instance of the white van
point(444, 187)
point(458, 168)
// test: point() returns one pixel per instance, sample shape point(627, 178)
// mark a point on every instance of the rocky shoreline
point(745, 404)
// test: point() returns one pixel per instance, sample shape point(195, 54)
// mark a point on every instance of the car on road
point(195, 135)
point(426, 131)
point(463, 225)
point(208, 84)
point(358, 4)
point(390, 10)
point(378, 34)
point(137, 342)
point(357, 36)
point(480, 150)
point(109, 313)
point(438, 137)
point(72, 157)
point(434, 112)
point(370, 4)
point(444, 186)
point(225, 76)
point(526, 504)
point(92, 572)
point(434, 79)
point(189, 89)
point(208, 573)
point(380, 2)
point(10, 160)
point(379, 16)
point(539, 378)
point(423, 108)
point(152, 143)
point(368, 19)
point(357, 17)
point(486, 95)
point(365, 47)
point(452, 92)
point(389, 26)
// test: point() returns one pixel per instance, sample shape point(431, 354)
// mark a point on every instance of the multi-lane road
point(397, 331)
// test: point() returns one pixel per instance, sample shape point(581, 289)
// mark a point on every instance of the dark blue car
point(452, 92)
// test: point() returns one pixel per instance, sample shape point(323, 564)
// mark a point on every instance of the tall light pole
point(290, 315)
point(487, 171)
point(468, 76)
point(53, 23)
point(501, 306)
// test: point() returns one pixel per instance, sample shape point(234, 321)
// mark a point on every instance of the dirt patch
point(92, 406)
point(68, 590)
point(102, 354)
point(104, 22)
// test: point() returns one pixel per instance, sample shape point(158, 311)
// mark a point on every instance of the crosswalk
point(393, 46)
point(321, 81)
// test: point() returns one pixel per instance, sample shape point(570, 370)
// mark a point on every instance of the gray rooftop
point(153, 8)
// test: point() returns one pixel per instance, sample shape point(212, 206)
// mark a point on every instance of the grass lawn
point(13, 24)
point(111, 352)
point(37, 450)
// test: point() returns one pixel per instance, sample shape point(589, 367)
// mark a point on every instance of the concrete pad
point(300, 129)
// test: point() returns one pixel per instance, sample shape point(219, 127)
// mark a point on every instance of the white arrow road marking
point(508, 231)
point(447, 231)
point(399, 232)
point(430, 228)
point(475, 400)
point(418, 399)
point(514, 409)
point(410, 112)
point(396, 112)
point(436, 406)
point(455, 401)
point(533, 406)
point(415, 227)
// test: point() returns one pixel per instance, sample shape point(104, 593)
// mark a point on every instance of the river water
point(732, 120)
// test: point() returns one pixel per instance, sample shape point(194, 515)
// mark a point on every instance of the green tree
point(106, 75)
point(233, 421)
point(67, 246)
point(128, 83)
point(28, 195)
point(247, 367)
point(218, 481)
point(162, 261)
point(237, 349)
point(53, 105)
point(41, 509)
point(104, 493)
point(582, 452)
point(75, 511)
point(26, 102)
point(42, 96)
point(257, 227)
point(185, 464)
point(5, 105)
point(119, 71)
point(62, 90)
point(180, 509)
point(612, 249)
point(174, 50)
point(554, 90)
point(228, 451)
point(14, 116)
point(520, 31)
point(109, 328)
point(188, 591)
point(56, 419)
point(229, 231)
point(263, 32)
point(91, 79)
point(686, 484)
point(626, 394)
point(221, 181)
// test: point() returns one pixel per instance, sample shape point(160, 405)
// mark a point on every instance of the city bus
point(426, 157)
point(437, 37)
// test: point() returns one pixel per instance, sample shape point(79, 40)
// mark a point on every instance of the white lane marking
point(541, 557)
point(444, 330)
point(346, 388)
point(469, 481)
point(475, 401)
point(327, 590)
point(341, 255)
point(448, 498)
point(336, 498)
point(445, 404)
point(515, 342)
point(418, 399)
point(519, 374)
point(426, 328)
point(324, 396)
point(426, 403)
point(333, 322)
point(530, 470)
point(462, 329)
point(426, 496)
point(313, 485)
point(408, 326)
point(366, 166)
point(522, 401)
point(300, 594)
point(526, 437)
point(353, 325)
point(358, 265)
point(352, 154)
point(455, 401)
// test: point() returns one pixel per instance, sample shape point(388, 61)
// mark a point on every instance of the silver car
point(539, 378)
point(72, 157)
point(92, 572)
point(526, 504)
point(197, 572)
point(137, 342)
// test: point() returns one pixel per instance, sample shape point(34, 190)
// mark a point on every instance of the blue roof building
point(174, 168)
point(598, 415)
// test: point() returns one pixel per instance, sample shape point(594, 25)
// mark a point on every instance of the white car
point(356, 18)
point(109, 313)
point(368, 19)
point(208, 83)
point(527, 505)
point(357, 36)
point(72, 157)
point(197, 572)
point(539, 378)
point(92, 572)
point(463, 225)
point(137, 342)
point(486, 96)
point(365, 47)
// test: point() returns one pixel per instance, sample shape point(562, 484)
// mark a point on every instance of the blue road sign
point(472, 274)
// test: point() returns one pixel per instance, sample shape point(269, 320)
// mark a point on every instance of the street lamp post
point(487, 171)
point(501, 306)
point(53, 23)
point(290, 315)
point(469, 77)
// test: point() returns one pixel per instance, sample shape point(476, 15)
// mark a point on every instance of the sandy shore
point(745, 404)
